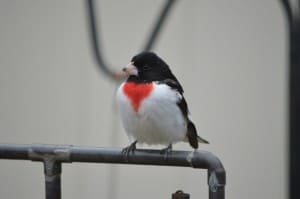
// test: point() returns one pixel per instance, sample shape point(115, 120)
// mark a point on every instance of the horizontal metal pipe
point(69, 153)
point(14, 151)
point(196, 159)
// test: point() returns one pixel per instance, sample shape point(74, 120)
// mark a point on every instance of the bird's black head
point(147, 67)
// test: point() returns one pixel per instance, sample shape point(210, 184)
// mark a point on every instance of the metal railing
point(53, 156)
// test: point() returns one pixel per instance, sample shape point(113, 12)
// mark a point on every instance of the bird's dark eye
point(146, 68)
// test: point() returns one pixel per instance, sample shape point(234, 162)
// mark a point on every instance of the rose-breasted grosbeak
point(152, 106)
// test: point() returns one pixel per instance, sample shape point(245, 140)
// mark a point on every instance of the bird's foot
point(127, 150)
point(166, 152)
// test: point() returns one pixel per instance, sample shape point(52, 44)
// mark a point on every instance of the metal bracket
point(52, 158)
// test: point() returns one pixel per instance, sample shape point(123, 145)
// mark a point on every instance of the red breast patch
point(136, 92)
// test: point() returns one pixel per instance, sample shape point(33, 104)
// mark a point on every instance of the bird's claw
point(166, 151)
point(127, 150)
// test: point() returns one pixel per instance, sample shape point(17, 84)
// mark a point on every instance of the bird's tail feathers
point(201, 140)
point(192, 136)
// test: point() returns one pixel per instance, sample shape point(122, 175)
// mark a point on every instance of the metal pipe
point(293, 30)
point(14, 151)
point(54, 155)
point(52, 171)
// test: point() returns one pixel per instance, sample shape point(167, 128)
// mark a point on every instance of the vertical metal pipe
point(216, 183)
point(218, 194)
point(52, 170)
point(293, 27)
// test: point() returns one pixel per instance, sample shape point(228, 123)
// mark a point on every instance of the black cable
point(158, 25)
point(95, 41)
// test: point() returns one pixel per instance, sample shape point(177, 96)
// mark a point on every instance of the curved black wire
point(158, 25)
point(95, 41)
point(288, 11)
point(96, 44)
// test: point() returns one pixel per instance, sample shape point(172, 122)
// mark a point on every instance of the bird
point(152, 107)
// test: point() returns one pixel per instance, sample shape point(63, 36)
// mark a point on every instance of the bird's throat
point(137, 92)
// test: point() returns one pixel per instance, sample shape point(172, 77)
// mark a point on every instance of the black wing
point(191, 134)
point(191, 129)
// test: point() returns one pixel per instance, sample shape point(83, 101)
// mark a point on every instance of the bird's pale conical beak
point(130, 69)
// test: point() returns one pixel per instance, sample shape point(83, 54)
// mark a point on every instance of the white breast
point(158, 120)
